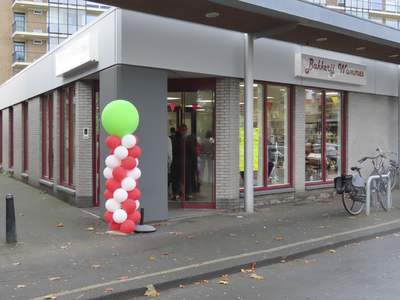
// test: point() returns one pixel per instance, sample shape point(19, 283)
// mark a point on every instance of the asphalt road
point(366, 270)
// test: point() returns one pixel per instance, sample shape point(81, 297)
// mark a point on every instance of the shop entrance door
point(191, 175)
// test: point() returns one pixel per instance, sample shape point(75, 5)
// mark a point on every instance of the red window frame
point(25, 136)
point(290, 138)
point(343, 114)
point(11, 130)
point(66, 181)
point(47, 137)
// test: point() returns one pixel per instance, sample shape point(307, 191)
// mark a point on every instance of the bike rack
point(368, 192)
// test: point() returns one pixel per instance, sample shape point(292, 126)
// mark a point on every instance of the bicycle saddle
point(355, 168)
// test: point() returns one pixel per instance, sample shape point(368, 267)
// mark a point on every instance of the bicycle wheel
point(382, 194)
point(354, 202)
point(393, 179)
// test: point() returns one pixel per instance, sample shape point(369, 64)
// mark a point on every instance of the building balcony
point(25, 30)
point(22, 59)
point(24, 5)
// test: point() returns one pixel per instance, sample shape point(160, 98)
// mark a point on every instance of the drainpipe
point(248, 124)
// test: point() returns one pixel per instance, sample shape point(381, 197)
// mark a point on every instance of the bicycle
point(393, 168)
point(354, 186)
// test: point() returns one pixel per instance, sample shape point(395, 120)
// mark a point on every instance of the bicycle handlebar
point(366, 157)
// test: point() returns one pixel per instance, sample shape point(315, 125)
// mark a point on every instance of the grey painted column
point(146, 89)
point(248, 124)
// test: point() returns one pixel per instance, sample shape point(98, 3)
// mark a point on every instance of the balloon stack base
point(144, 229)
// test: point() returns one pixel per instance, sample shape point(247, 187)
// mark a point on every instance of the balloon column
point(120, 119)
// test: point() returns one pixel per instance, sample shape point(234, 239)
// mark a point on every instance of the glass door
point(191, 130)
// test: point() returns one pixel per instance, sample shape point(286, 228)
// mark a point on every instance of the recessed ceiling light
point(393, 55)
point(360, 48)
point(321, 39)
point(212, 15)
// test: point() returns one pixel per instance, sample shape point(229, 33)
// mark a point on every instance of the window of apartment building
point(376, 5)
point(11, 137)
point(19, 22)
point(391, 23)
point(25, 144)
point(324, 147)
point(391, 6)
point(19, 52)
point(271, 136)
point(67, 136)
point(47, 137)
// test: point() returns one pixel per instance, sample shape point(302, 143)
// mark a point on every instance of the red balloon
point(119, 173)
point(112, 152)
point(137, 182)
point(108, 216)
point(128, 205)
point(114, 225)
point(135, 194)
point(137, 140)
point(128, 226)
point(113, 142)
point(129, 163)
point(112, 184)
point(135, 216)
point(135, 152)
point(108, 194)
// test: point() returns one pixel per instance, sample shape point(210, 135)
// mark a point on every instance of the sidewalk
point(90, 264)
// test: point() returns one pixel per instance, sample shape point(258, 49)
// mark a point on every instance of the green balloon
point(120, 118)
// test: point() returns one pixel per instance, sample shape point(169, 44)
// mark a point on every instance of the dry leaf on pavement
point(396, 234)
point(190, 258)
point(175, 233)
point(68, 243)
point(334, 235)
point(156, 224)
point(191, 237)
point(64, 247)
point(182, 286)
point(377, 219)
point(21, 286)
point(151, 291)
point(232, 234)
point(50, 297)
point(223, 282)
point(152, 258)
point(247, 271)
point(109, 289)
point(16, 264)
point(205, 281)
point(289, 221)
point(202, 246)
point(278, 239)
point(333, 251)
point(256, 242)
point(122, 278)
point(96, 266)
point(60, 224)
point(256, 276)
point(379, 237)
point(165, 253)
point(224, 278)
point(308, 262)
point(326, 215)
point(21, 214)
point(90, 229)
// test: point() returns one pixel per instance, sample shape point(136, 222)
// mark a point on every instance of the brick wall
point(227, 143)
point(34, 141)
point(18, 142)
point(6, 140)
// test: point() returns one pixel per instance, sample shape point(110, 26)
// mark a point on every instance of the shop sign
point(78, 54)
point(311, 66)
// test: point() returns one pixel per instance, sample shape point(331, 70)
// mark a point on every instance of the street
point(366, 270)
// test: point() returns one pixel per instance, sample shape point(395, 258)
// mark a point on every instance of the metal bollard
point(11, 229)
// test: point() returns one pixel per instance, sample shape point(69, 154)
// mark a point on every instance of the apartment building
point(385, 12)
point(30, 28)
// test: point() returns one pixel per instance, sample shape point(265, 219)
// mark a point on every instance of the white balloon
point(120, 216)
point(128, 184)
point(137, 162)
point(112, 161)
point(128, 141)
point(135, 173)
point(137, 204)
point(121, 152)
point(120, 195)
point(112, 205)
point(108, 173)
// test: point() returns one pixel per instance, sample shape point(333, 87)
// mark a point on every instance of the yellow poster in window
point(256, 139)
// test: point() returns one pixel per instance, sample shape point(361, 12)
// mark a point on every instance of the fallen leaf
point(54, 278)
point(96, 266)
point(175, 233)
point(151, 291)
point(377, 219)
point(224, 278)
point(109, 289)
point(256, 277)
point(293, 261)
point(280, 227)
point(64, 247)
point(152, 258)
point(333, 251)
point(122, 278)
point(156, 224)
point(190, 258)
point(253, 265)
point(21, 286)
point(21, 214)
point(256, 242)
point(379, 237)
point(200, 263)
point(334, 235)
point(223, 282)
point(326, 215)
point(100, 232)
point(218, 213)
point(278, 239)
point(202, 246)
point(283, 261)
point(205, 281)
point(60, 224)
point(196, 283)
point(289, 221)
point(182, 286)
point(50, 297)
point(232, 234)
point(308, 262)
point(396, 234)
point(90, 229)
point(165, 253)
point(247, 271)
point(351, 217)
point(16, 264)
point(191, 237)
point(68, 243)
point(320, 226)
point(97, 224)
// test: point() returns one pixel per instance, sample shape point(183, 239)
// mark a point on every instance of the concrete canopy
point(292, 21)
